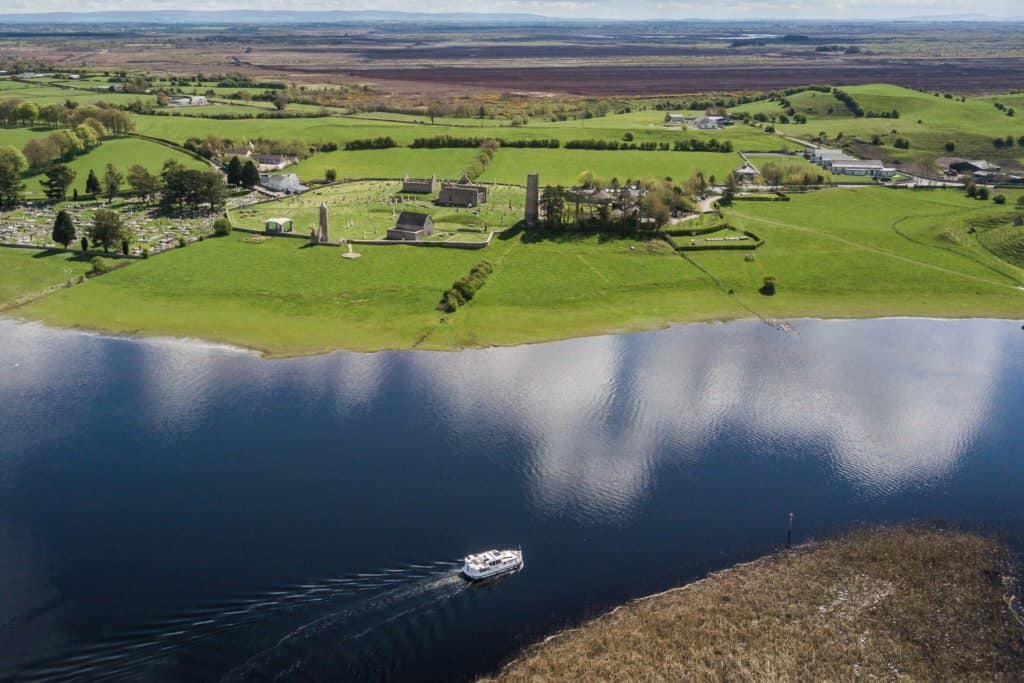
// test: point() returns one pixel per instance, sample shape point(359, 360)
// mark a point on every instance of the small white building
point(188, 101)
point(272, 162)
point(675, 119)
point(287, 183)
point(707, 122)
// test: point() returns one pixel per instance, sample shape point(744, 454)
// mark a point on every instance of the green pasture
point(834, 253)
point(365, 210)
point(387, 163)
point(29, 272)
point(123, 153)
point(564, 166)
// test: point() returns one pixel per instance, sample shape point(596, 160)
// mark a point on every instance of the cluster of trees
point(691, 145)
point(371, 143)
point(446, 142)
point(63, 145)
point(14, 112)
point(706, 104)
point(658, 201)
point(106, 230)
point(794, 175)
point(465, 288)
point(214, 146)
point(976, 191)
point(1009, 111)
point(485, 153)
point(849, 101)
point(1007, 142)
point(846, 49)
point(539, 143)
point(246, 174)
point(189, 188)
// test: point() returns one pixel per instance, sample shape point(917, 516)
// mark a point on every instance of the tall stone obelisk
point(323, 222)
point(532, 214)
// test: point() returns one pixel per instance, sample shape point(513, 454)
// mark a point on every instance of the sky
point(611, 9)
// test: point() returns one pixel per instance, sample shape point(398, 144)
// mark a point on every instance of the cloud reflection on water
point(886, 403)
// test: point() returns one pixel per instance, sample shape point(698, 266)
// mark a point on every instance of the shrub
point(85, 243)
point(222, 227)
point(465, 288)
point(124, 247)
point(981, 193)
point(768, 288)
point(99, 266)
point(145, 253)
point(182, 242)
point(330, 175)
point(999, 199)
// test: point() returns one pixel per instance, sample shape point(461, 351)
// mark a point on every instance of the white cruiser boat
point(492, 563)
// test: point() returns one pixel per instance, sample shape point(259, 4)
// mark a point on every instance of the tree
point(58, 178)
point(280, 101)
point(26, 112)
point(999, 199)
point(732, 187)
point(107, 229)
point(234, 171)
point(92, 184)
point(222, 227)
point(950, 146)
point(12, 165)
point(112, 179)
point(144, 183)
point(552, 202)
point(330, 175)
point(250, 174)
point(981, 193)
point(63, 229)
point(41, 151)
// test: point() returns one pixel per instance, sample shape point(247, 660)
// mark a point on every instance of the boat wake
point(202, 643)
point(332, 648)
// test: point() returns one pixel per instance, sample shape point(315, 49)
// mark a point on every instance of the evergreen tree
point(250, 174)
point(92, 184)
point(235, 171)
point(63, 229)
point(58, 178)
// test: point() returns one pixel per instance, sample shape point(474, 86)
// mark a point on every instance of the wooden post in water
point(789, 532)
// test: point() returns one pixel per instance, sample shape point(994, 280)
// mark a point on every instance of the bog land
point(893, 603)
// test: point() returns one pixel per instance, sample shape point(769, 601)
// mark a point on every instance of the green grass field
point(387, 163)
point(565, 166)
point(123, 153)
point(25, 273)
point(835, 253)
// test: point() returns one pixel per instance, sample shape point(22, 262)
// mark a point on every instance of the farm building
point(420, 185)
point(675, 118)
point(278, 225)
point(746, 173)
point(708, 122)
point(968, 165)
point(273, 162)
point(282, 182)
point(862, 167)
point(188, 101)
point(411, 227)
point(463, 193)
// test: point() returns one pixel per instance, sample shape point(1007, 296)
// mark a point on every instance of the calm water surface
point(171, 510)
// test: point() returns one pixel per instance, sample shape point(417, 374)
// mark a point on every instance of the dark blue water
point(171, 510)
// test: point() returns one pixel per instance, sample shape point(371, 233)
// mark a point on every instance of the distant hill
point(240, 16)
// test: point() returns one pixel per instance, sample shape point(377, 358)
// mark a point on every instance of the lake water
point(172, 510)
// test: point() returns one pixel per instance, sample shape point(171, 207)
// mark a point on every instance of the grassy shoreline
point(910, 602)
point(839, 254)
